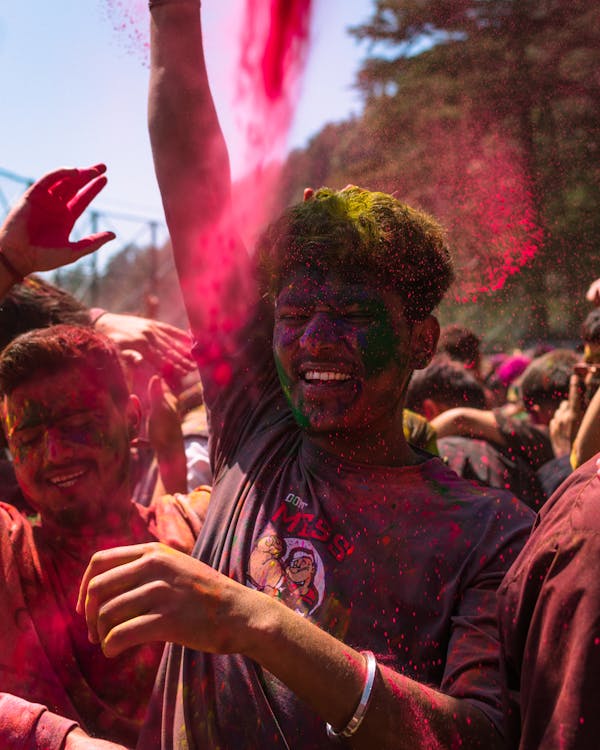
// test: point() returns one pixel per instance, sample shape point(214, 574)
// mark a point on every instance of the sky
point(74, 80)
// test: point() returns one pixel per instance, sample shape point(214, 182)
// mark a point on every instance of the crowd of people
point(318, 520)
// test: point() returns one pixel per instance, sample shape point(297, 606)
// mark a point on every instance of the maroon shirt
point(549, 611)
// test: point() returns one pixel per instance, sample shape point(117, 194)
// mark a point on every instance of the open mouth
point(318, 376)
point(67, 479)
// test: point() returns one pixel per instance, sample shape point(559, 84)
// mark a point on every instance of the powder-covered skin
point(354, 331)
point(69, 443)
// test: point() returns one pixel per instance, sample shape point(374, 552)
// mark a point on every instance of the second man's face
point(70, 445)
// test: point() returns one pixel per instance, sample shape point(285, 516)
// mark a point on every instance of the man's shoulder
point(566, 529)
point(575, 505)
point(444, 480)
point(12, 519)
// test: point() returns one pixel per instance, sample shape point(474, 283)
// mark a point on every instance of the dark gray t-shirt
point(402, 561)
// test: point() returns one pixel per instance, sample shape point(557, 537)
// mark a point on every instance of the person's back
point(444, 385)
point(549, 606)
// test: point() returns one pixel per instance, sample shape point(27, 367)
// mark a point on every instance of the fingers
point(91, 243)
point(133, 632)
point(131, 357)
point(78, 202)
point(160, 395)
point(181, 340)
point(116, 616)
point(67, 180)
point(575, 393)
point(105, 587)
point(169, 352)
point(104, 561)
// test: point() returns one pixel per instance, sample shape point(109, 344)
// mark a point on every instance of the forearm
point(472, 423)
point(587, 440)
point(25, 725)
point(329, 676)
point(192, 167)
point(172, 469)
point(190, 155)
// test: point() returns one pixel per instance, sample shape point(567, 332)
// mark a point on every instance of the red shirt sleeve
point(25, 725)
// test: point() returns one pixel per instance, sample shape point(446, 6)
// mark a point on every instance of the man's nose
point(321, 332)
point(57, 448)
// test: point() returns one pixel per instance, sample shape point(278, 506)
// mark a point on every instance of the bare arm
point(192, 167)
point(473, 423)
point(587, 440)
point(151, 592)
point(166, 437)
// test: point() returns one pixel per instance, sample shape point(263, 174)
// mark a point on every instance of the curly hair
point(359, 234)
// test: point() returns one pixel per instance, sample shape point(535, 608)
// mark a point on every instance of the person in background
point(444, 385)
point(69, 419)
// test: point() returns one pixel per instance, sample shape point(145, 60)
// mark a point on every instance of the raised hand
point(35, 234)
point(163, 348)
point(166, 437)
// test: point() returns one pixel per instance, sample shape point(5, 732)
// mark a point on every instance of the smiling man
point(69, 420)
point(343, 586)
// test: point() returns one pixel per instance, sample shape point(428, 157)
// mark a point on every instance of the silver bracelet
point(363, 704)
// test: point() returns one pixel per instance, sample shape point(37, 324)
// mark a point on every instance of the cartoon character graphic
point(290, 569)
point(300, 569)
point(266, 572)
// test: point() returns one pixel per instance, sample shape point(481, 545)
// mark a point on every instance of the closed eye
point(27, 437)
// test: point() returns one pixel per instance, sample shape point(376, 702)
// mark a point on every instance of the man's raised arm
point(192, 167)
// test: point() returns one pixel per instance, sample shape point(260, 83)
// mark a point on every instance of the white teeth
point(317, 375)
point(67, 480)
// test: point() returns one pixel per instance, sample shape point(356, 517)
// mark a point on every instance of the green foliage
point(486, 114)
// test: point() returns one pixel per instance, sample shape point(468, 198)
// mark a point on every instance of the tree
point(517, 95)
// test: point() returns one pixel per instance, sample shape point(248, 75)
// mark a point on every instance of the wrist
point(7, 260)
point(156, 3)
point(262, 618)
point(95, 314)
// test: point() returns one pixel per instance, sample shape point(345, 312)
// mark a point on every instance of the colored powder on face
point(298, 411)
point(379, 344)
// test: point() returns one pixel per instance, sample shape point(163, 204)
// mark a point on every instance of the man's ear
point(133, 412)
point(424, 338)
